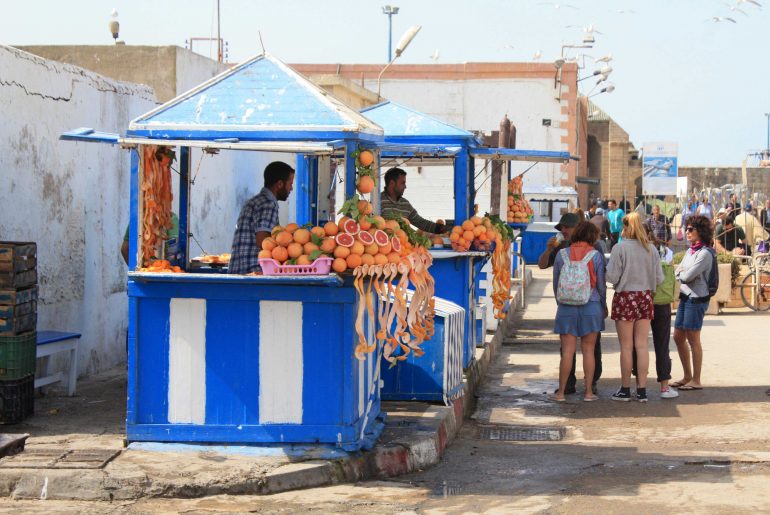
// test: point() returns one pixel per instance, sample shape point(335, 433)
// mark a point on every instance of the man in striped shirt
point(393, 201)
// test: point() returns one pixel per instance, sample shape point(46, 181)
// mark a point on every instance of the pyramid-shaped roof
point(260, 99)
point(404, 124)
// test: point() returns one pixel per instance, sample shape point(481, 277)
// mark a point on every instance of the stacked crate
point(18, 323)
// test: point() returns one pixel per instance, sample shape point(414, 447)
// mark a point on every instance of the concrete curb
point(401, 450)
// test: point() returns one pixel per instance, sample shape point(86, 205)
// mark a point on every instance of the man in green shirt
point(392, 201)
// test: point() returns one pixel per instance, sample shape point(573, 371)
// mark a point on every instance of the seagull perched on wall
point(435, 55)
point(718, 19)
point(537, 55)
point(558, 6)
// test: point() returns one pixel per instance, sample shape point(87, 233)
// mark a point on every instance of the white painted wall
point(480, 105)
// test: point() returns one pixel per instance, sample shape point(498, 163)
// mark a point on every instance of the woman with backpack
point(634, 270)
point(694, 274)
point(578, 283)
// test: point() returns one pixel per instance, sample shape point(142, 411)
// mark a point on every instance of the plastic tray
point(321, 266)
point(17, 356)
point(17, 400)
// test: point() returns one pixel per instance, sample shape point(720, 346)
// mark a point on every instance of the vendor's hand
point(440, 227)
point(552, 243)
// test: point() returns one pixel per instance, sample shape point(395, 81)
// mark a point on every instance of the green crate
point(17, 356)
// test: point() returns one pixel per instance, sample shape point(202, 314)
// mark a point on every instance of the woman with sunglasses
point(634, 270)
point(693, 275)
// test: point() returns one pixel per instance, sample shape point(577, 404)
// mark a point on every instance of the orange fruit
point(372, 249)
point(394, 257)
point(402, 237)
point(265, 254)
point(379, 222)
point(367, 259)
point(295, 250)
point(302, 236)
point(284, 238)
point(280, 254)
point(385, 249)
point(304, 260)
point(460, 242)
point(364, 223)
point(365, 184)
point(269, 244)
point(291, 227)
point(381, 259)
point(319, 232)
point(454, 236)
point(341, 252)
point(365, 158)
point(357, 248)
point(392, 225)
point(365, 207)
point(479, 230)
point(309, 247)
point(328, 245)
point(339, 265)
point(477, 220)
point(331, 229)
point(353, 261)
point(467, 226)
point(468, 235)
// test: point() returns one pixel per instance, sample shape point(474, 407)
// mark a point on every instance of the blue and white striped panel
point(280, 362)
point(454, 334)
point(187, 361)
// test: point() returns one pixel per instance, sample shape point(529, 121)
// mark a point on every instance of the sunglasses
point(690, 229)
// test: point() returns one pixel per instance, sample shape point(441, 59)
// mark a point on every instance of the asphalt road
point(706, 452)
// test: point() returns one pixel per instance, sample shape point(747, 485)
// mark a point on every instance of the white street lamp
point(402, 44)
point(113, 25)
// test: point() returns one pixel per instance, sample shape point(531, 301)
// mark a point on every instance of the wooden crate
point(14, 296)
point(18, 324)
point(18, 280)
point(17, 310)
point(17, 264)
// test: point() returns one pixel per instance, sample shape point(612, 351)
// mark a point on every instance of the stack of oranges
point(519, 210)
point(476, 232)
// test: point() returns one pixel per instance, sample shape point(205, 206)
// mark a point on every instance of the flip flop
point(590, 399)
point(553, 398)
point(687, 388)
point(676, 384)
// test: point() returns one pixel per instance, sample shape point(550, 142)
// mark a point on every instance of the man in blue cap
point(566, 227)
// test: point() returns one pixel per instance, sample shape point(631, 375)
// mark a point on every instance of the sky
point(679, 76)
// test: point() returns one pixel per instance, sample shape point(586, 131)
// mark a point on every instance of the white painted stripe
point(280, 362)
point(187, 362)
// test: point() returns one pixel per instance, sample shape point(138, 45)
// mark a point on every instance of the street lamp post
point(767, 148)
point(402, 44)
point(390, 10)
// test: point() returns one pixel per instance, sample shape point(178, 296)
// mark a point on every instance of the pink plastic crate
point(320, 266)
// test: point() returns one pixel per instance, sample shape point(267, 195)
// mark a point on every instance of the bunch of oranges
point(519, 210)
point(476, 232)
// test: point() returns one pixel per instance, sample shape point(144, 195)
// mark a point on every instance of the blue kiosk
point(218, 358)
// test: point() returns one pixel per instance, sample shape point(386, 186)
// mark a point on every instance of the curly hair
point(702, 226)
point(585, 231)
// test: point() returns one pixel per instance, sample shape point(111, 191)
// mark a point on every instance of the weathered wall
point(169, 70)
point(69, 197)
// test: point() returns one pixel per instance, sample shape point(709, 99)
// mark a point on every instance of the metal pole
point(390, 36)
point(767, 148)
point(219, 37)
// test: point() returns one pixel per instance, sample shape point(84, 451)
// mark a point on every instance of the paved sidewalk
point(89, 429)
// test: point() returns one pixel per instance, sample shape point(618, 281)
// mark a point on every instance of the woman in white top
point(635, 272)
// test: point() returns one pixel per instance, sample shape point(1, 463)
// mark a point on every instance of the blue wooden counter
point(215, 358)
point(454, 273)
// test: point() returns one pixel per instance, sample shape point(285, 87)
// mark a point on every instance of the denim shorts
point(579, 320)
point(689, 314)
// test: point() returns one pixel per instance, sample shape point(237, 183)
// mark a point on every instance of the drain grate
point(60, 459)
point(522, 433)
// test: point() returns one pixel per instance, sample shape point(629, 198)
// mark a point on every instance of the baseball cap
point(567, 220)
point(747, 207)
point(599, 211)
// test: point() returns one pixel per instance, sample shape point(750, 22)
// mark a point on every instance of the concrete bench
point(53, 342)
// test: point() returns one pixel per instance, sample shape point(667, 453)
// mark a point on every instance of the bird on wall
point(435, 56)
point(537, 55)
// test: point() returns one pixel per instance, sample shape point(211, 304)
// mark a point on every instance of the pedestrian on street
point(693, 275)
point(634, 270)
point(660, 227)
point(576, 319)
point(615, 217)
point(603, 225)
point(566, 226)
point(661, 320)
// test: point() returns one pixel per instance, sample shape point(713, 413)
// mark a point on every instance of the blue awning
point(261, 99)
point(405, 125)
point(90, 135)
point(515, 154)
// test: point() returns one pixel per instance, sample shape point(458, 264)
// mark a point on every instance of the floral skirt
point(632, 305)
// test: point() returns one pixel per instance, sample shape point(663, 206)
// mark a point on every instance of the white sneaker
point(669, 393)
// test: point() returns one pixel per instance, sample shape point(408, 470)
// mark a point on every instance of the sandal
point(590, 399)
point(554, 398)
point(677, 384)
point(687, 388)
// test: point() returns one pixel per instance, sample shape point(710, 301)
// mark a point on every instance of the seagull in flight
point(559, 6)
point(625, 11)
point(435, 56)
point(589, 29)
point(718, 19)
point(735, 8)
point(740, 2)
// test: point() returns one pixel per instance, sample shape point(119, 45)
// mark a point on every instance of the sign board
point(659, 168)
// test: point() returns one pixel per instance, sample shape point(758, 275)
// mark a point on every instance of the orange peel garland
point(156, 199)
point(501, 273)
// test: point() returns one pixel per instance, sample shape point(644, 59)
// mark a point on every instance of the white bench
point(53, 342)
